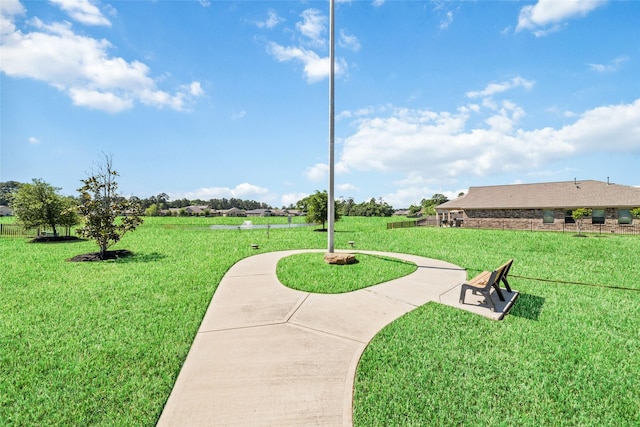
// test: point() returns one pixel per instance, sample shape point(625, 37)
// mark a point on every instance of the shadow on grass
point(56, 239)
point(144, 257)
point(528, 306)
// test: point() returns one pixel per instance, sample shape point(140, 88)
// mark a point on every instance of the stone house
point(543, 206)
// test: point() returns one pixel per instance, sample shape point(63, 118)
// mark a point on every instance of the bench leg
point(496, 286)
point(462, 293)
point(506, 284)
point(487, 297)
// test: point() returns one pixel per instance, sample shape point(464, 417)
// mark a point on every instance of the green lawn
point(102, 343)
point(310, 273)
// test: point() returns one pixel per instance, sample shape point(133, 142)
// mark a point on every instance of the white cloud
point(8, 10)
point(313, 26)
point(289, 199)
point(421, 144)
point(495, 88)
point(377, 3)
point(446, 21)
point(617, 126)
point(105, 101)
point(271, 21)
point(315, 67)
point(317, 172)
point(246, 189)
point(33, 140)
point(241, 191)
point(195, 89)
point(346, 187)
point(82, 67)
point(614, 65)
point(83, 11)
point(548, 15)
point(348, 41)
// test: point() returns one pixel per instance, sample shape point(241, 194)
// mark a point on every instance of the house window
point(548, 216)
point(597, 216)
point(568, 217)
point(624, 216)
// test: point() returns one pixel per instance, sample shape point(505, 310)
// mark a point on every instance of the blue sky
point(212, 99)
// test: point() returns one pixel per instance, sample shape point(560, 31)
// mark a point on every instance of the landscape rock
point(340, 259)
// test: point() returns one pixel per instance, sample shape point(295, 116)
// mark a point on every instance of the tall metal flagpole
point(330, 201)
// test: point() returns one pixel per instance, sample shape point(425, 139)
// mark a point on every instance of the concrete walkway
point(267, 355)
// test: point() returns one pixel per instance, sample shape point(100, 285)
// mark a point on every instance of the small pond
point(248, 225)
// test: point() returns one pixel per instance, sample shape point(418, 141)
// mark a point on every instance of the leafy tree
point(317, 207)
point(374, 208)
point(438, 199)
point(578, 215)
point(7, 189)
point(39, 205)
point(101, 206)
point(414, 210)
point(429, 205)
point(635, 212)
point(152, 210)
point(161, 200)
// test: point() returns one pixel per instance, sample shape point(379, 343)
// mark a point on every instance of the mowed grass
point(102, 343)
point(310, 273)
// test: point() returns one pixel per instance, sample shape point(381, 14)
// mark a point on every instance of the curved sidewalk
point(269, 355)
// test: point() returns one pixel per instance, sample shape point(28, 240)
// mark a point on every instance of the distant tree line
point(344, 206)
point(217, 204)
point(161, 202)
point(373, 207)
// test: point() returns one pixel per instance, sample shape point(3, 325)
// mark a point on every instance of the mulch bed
point(95, 256)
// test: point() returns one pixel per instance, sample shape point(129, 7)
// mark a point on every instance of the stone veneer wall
point(529, 219)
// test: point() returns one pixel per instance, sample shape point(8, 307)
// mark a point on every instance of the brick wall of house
point(530, 219)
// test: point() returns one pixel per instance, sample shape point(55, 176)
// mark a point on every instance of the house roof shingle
point(567, 195)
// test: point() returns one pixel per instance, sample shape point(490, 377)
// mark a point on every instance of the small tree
point(579, 215)
point(106, 215)
point(39, 205)
point(316, 206)
point(152, 210)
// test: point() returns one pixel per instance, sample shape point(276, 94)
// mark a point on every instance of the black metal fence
point(15, 230)
point(603, 229)
point(524, 226)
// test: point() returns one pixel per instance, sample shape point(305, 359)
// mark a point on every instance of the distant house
point(5, 210)
point(544, 206)
point(198, 210)
point(295, 212)
point(259, 212)
point(233, 212)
